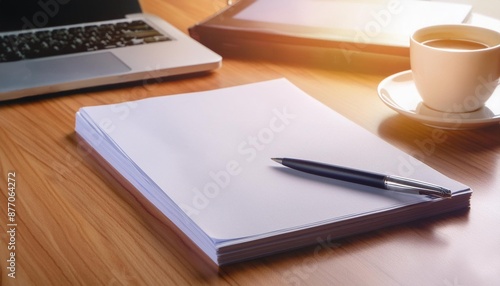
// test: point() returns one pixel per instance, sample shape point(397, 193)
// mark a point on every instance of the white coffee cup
point(456, 68)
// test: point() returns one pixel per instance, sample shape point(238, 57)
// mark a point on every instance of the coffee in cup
point(456, 68)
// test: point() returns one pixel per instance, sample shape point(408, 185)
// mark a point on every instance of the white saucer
point(398, 91)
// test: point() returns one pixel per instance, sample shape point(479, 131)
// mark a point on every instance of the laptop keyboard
point(60, 41)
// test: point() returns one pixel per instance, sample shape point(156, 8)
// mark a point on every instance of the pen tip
point(278, 160)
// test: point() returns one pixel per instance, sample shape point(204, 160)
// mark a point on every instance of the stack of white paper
point(203, 159)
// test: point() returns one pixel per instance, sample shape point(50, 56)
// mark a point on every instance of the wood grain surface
point(76, 224)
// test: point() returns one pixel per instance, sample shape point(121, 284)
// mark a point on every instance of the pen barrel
point(337, 172)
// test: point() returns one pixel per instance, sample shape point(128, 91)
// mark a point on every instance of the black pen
point(387, 182)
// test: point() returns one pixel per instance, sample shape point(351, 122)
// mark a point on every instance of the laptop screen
point(29, 14)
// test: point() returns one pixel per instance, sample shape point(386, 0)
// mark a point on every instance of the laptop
point(49, 46)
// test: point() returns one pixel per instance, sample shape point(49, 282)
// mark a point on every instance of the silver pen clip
point(411, 186)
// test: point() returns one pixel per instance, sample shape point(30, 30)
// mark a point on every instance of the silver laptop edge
point(182, 55)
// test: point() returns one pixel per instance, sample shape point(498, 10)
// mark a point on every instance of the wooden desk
point(76, 225)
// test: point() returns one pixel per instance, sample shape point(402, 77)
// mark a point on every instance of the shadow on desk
point(402, 129)
point(152, 80)
point(319, 57)
point(466, 146)
point(330, 260)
